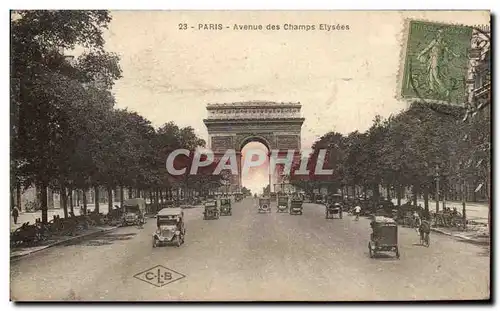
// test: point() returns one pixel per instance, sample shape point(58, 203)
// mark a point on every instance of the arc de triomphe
point(233, 125)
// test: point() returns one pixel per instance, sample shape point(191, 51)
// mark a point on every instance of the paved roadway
point(251, 256)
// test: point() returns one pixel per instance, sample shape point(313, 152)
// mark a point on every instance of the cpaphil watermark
point(192, 163)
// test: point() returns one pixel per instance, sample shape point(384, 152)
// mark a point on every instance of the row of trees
point(65, 132)
point(408, 150)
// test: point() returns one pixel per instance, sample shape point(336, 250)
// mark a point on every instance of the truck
point(134, 211)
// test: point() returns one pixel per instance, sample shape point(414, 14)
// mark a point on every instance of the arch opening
point(255, 178)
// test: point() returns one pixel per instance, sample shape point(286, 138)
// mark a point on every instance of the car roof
point(135, 201)
point(382, 219)
point(170, 212)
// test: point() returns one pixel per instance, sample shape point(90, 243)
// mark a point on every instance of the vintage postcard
point(250, 156)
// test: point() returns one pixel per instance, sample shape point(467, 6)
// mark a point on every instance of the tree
point(47, 88)
point(245, 191)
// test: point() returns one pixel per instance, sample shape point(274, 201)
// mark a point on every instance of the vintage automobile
point(334, 206)
point(225, 207)
point(238, 197)
point(134, 211)
point(282, 206)
point(211, 210)
point(264, 205)
point(296, 206)
point(384, 236)
point(170, 227)
point(318, 199)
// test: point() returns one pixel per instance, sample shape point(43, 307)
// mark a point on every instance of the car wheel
point(178, 241)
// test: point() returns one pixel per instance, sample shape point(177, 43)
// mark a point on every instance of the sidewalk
point(32, 216)
point(476, 234)
point(18, 252)
point(477, 212)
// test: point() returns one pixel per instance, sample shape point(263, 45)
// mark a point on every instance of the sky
point(342, 78)
point(257, 177)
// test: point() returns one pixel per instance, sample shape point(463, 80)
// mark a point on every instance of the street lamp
point(437, 188)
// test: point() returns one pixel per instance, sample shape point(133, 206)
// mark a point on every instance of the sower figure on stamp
point(437, 56)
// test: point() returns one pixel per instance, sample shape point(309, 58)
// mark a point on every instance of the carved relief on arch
point(288, 142)
point(221, 143)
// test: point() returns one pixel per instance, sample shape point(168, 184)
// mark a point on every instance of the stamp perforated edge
point(405, 33)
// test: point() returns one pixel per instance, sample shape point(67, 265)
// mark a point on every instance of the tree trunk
point(110, 199)
point(43, 197)
point(50, 198)
point(388, 192)
point(156, 201)
point(12, 202)
point(122, 196)
point(399, 193)
point(70, 198)
point(84, 199)
point(414, 194)
point(96, 199)
point(18, 196)
point(64, 200)
point(376, 192)
point(426, 198)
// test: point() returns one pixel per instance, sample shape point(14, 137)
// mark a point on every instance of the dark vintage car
point(282, 206)
point(384, 236)
point(296, 206)
point(238, 197)
point(225, 207)
point(169, 227)
point(134, 211)
point(334, 206)
point(211, 210)
point(264, 205)
point(318, 199)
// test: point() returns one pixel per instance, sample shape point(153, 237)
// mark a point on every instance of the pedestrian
point(357, 210)
point(15, 214)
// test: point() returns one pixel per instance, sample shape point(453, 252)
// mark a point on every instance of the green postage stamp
point(435, 66)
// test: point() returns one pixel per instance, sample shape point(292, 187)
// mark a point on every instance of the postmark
point(436, 62)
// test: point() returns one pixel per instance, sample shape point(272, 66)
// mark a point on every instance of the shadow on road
point(485, 252)
point(107, 239)
point(384, 256)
